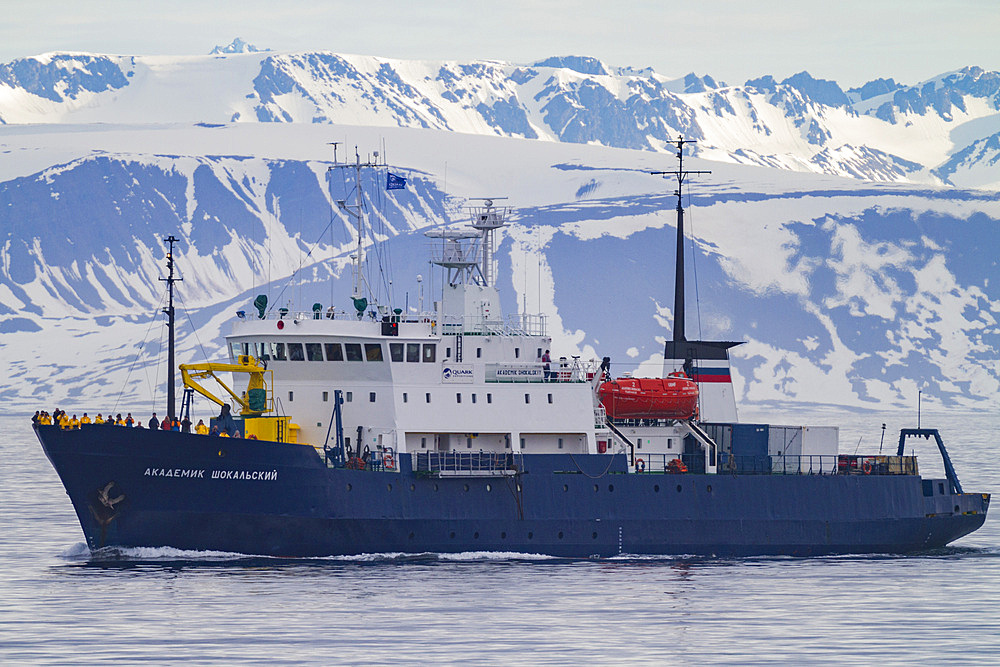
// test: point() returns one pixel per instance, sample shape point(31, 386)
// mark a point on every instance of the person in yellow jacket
point(74, 423)
point(63, 421)
point(98, 419)
point(200, 428)
point(223, 434)
point(84, 419)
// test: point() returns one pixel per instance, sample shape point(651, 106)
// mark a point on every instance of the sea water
point(59, 604)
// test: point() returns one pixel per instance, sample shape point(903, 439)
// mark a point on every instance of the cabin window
point(373, 352)
point(430, 352)
point(427, 397)
point(522, 443)
point(371, 397)
point(353, 351)
point(334, 352)
point(279, 352)
point(458, 397)
point(447, 353)
point(468, 443)
point(527, 398)
point(234, 350)
point(413, 352)
point(517, 353)
point(550, 398)
point(479, 352)
point(349, 396)
point(539, 355)
point(489, 398)
point(326, 396)
point(262, 351)
point(560, 443)
point(670, 443)
point(405, 397)
point(396, 351)
point(473, 398)
point(314, 351)
point(423, 443)
point(291, 395)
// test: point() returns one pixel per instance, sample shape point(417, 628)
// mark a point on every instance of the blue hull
point(146, 489)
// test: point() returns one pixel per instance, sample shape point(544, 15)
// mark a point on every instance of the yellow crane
point(254, 402)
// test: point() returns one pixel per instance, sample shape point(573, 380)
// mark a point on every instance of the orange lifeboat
point(672, 397)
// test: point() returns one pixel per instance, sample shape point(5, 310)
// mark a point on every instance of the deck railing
point(831, 464)
point(467, 464)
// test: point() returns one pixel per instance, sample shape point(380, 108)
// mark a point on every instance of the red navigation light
point(281, 324)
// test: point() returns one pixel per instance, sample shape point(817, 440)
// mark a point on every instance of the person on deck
point(129, 421)
point(186, 424)
point(200, 428)
point(84, 419)
point(74, 423)
point(98, 419)
point(215, 431)
point(546, 365)
point(119, 421)
point(154, 423)
point(36, 418)
point(166, 424)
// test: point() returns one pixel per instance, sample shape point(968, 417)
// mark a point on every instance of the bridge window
point(353, 351)
point(314, 352)
point(334, 352)
point(396, 351)
point(413, 352)
point(430, 352)
point(295, 352)
point(373, 352)
point(279, 352)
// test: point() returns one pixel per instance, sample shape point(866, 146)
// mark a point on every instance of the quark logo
point(456, 374)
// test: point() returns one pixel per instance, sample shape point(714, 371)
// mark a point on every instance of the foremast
point(169, 311)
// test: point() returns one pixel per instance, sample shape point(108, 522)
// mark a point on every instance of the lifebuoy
point(866, 467)
point(388, 461)
point(640, 465)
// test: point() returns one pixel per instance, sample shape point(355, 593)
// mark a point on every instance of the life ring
point(866, 466)
point(640, 465)
point(387, 461)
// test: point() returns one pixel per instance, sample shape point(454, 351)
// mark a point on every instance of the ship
point(450, 429)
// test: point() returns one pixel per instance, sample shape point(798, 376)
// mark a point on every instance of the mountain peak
point(236, 46)
point(581, 64)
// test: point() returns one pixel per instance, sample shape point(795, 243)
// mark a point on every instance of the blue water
point(60, 605)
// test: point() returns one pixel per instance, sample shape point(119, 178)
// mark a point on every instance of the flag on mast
point(394, 182)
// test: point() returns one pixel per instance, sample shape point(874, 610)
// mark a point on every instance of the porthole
point(388, 487)
point(222, 452)
point(594, 535)
point(413, 487)
point(656, 488)
point(595, 488)
point(530, 534)
point(452, 534)
point(565, 487)
point(348, 487)
point(466, 487)
point(489, 488)
point(611, 487)
point(519, 488)
point(435, 486)
point(957, 509)
point(475, 535)
point(412, 535)
point(709, 488)
point(560, 535)
point(503, 536)
point(678, 488)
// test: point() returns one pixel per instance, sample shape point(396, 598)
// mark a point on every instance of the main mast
point(680, 175)
point(169, 311)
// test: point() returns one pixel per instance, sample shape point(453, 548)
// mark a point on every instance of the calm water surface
point(59, 605)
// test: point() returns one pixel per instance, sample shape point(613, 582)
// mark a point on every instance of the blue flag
point(394, 182)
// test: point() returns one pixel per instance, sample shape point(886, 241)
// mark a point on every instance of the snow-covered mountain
point(882, 131)
point(827, 236)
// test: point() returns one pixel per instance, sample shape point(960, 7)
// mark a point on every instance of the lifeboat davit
point(672, 397)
